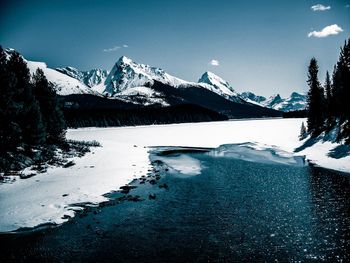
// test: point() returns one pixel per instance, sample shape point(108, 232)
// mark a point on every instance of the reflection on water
point(264, 210)
point(330, 211)
point(233, 211)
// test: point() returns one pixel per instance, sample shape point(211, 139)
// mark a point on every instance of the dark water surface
point(234, 211)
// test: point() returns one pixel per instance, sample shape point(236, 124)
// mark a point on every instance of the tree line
point(329, 104)
point(31, 118)
point(98, 117)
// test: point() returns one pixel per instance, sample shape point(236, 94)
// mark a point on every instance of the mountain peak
point(276, 97)
point(296, 95)
point(128, 74)
point(9, 50)
point(209, 73)
point(220, 86)
point(216, 81)
point(124, 60)
point(210, 77)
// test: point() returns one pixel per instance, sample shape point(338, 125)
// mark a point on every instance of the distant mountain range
point(294, 102)
point(137, 85)
point(129, 78)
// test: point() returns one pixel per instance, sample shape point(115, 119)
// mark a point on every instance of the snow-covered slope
point(295, 101)
point(91, 78)
point(252, 98)
point(142, 95)
point(220, 86)
point(94, 78)
point(63, 84)
point(72, 72)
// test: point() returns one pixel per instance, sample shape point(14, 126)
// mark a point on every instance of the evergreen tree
point(303, 132)
point(10, 133)
point(50, 108)
point(28, 109)
point(344, 65)
point(345, 99)
point(341, 83)
point(341, 92)
point(335, 92)
point(315, 121)
point(329, 101)
point(37, 134)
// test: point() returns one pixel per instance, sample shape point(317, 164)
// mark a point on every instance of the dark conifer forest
point(32, 122)
point(76, 118)
point(329, 103)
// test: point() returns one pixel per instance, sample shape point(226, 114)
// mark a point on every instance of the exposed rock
point(152, 197)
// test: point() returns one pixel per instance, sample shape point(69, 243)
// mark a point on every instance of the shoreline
point(115, 197)
point(148, 219)
point(113, 167)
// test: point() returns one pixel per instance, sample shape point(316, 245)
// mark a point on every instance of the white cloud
point(115, 48)
point(214, 62)
point(327, 31)
point(320, 7)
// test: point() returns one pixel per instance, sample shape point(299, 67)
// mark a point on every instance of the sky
point(258, 46)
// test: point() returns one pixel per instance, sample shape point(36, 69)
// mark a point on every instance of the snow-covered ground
point(47, 197)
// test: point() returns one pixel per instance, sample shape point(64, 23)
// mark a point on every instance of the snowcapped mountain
point(295, 101)
point(128, 81)
point(127, 74)
point(130, 85)
point(91, 78)
point(220, 86)
point(140, 84)
point(63, 84)
point(273, 101)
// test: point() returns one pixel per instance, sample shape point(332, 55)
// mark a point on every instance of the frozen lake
point(124, 156)
point(208, 207)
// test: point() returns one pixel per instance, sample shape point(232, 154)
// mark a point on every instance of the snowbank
point(181, 163)
point(255, 153)
point(46, 198)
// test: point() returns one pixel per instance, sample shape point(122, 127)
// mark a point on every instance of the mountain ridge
point(132, 82)
point(90, 78)
point(295, 102)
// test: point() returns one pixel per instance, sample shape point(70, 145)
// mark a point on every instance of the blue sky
point(261, 46)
